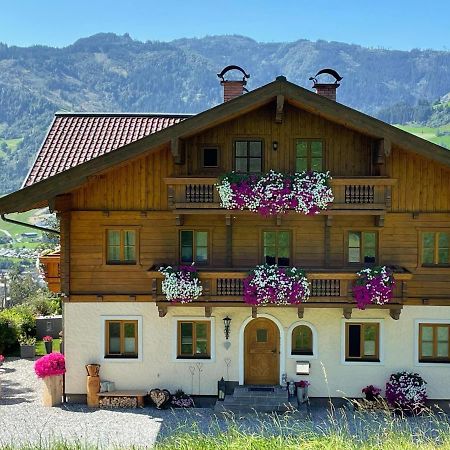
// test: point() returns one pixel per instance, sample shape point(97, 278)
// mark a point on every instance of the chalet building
point(137, 191)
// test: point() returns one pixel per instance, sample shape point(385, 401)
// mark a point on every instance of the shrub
point(50, 365)
point(43, 304)
point(8, 335)
point(23, 319)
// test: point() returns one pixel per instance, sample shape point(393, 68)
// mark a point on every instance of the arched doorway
point(261, 352)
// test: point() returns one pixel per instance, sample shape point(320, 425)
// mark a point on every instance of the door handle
point(274, 350)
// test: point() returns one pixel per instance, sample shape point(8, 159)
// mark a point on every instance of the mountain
point(107, 72)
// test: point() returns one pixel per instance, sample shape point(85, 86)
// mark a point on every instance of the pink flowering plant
point(50, 365)
point(371, 392)
point(302, 384)
point(406, 391)
point(374, 285)
point(181, 284)
point(47, 339)
point(270, 284)
point(2, 359)
point(275, 193)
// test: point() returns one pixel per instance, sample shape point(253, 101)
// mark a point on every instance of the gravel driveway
point(23, 420)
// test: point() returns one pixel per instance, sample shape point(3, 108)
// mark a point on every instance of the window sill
point(184, 359)
point(303, 357)
point(122, 359)
point(363, 362)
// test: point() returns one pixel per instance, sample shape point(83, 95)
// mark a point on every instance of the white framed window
point(362, 341)
point(122, 338)
point(432, 342)
point(302, 341)
point(193, 339)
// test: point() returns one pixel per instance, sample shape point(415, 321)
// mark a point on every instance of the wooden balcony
point(50, 264)
point(328, 289)
point(369, 194)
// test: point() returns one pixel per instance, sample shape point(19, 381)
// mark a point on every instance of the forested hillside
point(107, 72)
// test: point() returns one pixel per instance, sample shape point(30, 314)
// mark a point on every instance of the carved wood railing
point(227, 286)
point(50, 264)
point(362, 193)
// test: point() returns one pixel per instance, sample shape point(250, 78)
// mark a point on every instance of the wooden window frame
point(248, 139)
point(310, 140)
point(291, 244)
point(298, 353)
point(121, 265)
point(363, 358)
point(434, 358)
point(194, 339)
point(122, 354)
point(435, 265)
point(208, 250)
point(361, 251)
point(201, 152)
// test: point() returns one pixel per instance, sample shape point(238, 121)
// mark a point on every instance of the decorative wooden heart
point(160, 397)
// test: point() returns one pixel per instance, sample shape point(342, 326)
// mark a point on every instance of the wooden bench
point(138, 395)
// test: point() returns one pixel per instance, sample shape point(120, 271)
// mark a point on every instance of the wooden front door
point(261, 352)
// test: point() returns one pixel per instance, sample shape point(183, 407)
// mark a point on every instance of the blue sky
point(393, 24)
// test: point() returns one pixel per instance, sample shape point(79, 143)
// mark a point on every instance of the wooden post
point(92, 389)
point(229, 241)
point(327, 239)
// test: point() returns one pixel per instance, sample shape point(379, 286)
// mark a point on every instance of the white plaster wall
point(329, 377)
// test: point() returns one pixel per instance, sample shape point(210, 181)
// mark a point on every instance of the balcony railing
point(50, 264)
point(326, 286)
point(362, 193)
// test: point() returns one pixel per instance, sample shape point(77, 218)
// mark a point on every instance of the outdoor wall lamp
point(275, 145)
point(226, 327)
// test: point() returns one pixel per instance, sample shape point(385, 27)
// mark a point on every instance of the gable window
point(194, 246)
point(362, 341)
point(277, 247)
point(194, 339)
point(435, 248)
point(248, 156)
point(434, 342)
point(121, 339)
point(362, 247)
point(302, 340)
point(210, 157)
point(121, 246)
point(309, 155)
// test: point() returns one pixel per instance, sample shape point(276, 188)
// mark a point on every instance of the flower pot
point(302, 394)
point(48, 347)
point(52, 390)
point(27, 351)
point(93, 369)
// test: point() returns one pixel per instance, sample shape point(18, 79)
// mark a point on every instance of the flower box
point(181, 285)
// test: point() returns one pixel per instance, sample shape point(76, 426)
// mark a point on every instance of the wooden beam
point(208, 311)
point(280, 109)
point(395, 312)
point(347, 311)
point(179, 220)
point(327, 239)
point(278, 220)
point(254, 312)
point(229, 241)
point(379, 220)
point(177, 149)
point(162, 311)
point(300, 312)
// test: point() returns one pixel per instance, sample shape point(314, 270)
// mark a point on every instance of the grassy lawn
point(40, 347)
point(429, 133)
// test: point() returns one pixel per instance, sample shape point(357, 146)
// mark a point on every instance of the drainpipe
point(29, 225)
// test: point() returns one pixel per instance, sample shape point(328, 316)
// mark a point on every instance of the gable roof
point(76, 138)
point(43, 191)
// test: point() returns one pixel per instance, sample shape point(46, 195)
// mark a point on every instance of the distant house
point(135, 191)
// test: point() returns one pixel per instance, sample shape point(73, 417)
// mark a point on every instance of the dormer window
point(248, 156)
point(210, 157)
point(309, 155)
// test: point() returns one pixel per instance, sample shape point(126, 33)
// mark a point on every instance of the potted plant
point(406, 392)
point(371, 392)
point(181, 400)
point(27, 346)
point(48, 342)
point(181, 284)
point(302, 390)
point(2, 360)
point(51, 368)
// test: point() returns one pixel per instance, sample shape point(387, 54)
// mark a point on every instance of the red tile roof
point(76, 138)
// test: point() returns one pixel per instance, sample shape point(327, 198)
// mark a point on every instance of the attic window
point(210, 157)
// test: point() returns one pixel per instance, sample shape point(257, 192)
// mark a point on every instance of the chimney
point(233, 88)
point(327, 90)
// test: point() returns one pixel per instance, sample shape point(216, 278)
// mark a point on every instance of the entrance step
point(260, 399)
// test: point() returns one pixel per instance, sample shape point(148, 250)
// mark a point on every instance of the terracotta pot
point(93, 369)
point(52, 390)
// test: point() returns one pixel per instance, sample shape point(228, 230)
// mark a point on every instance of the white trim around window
point(211, 320)
point(416, 343)
point(381, 343)
point(103, 339)
point(315, 342)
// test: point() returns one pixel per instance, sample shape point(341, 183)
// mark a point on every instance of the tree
point(21, 286)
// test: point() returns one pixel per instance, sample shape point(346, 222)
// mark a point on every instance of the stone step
point(246, 391)
point(245, 408)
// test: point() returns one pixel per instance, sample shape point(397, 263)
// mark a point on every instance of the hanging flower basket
point(275, 193)
point(181, 284)
point(374, 285)
point(270, 284)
